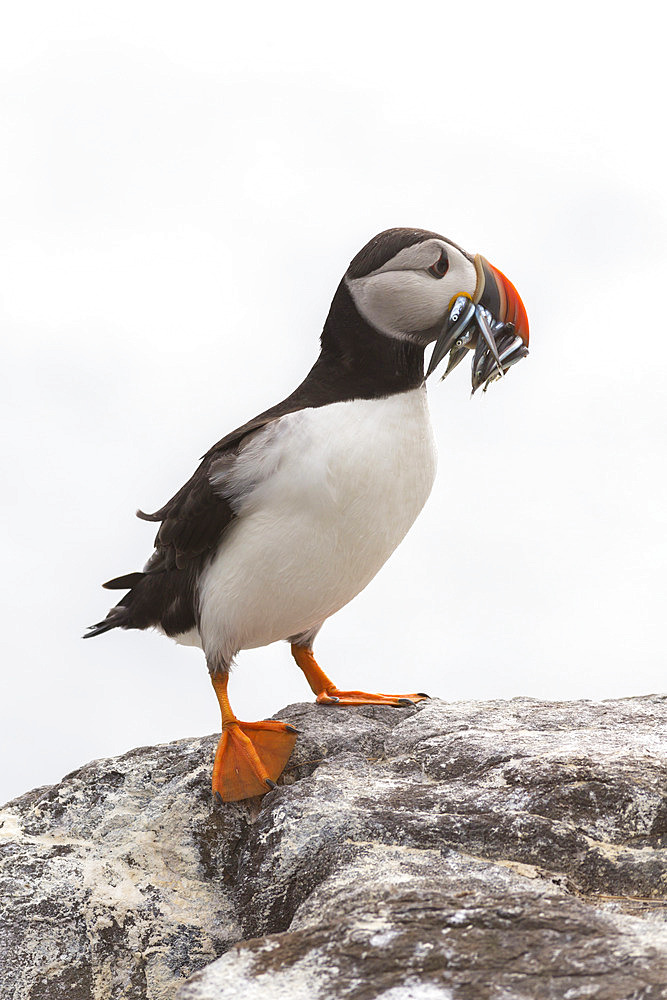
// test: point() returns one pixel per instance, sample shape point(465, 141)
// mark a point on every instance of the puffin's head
point(417, 286)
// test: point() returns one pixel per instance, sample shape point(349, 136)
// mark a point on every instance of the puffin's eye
point(440, 268)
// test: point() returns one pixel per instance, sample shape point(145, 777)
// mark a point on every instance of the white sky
point(181, 189)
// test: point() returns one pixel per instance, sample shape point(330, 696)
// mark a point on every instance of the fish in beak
point(492, 324)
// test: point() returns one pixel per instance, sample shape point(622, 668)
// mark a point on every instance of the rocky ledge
point(469, 851)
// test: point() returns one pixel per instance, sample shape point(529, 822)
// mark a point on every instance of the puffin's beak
point(493, 323)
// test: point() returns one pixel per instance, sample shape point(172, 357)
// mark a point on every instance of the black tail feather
point(123, 582)
point(118, 616)
point(163, 596)
point(98, 629)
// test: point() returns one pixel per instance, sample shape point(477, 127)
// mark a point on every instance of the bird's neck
point(362, 361)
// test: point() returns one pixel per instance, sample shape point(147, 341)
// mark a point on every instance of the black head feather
point(384, 246)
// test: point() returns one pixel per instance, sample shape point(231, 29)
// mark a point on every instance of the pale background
point(181, 189)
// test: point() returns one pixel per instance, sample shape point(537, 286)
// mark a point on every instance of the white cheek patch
point(402, 303)
point(397, 303)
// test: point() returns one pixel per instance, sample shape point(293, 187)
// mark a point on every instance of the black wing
point(164, 594)
point(192, 525)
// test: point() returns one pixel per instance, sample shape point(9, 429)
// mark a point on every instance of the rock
point(470, 851)
point(102, 890)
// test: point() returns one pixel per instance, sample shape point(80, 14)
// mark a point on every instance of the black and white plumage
point(291, 515)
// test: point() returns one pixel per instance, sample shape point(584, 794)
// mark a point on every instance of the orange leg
point(251, 756)
point(328, 694)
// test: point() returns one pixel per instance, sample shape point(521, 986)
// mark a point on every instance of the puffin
point(288, 517)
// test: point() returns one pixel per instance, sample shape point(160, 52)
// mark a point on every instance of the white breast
point(323, 497)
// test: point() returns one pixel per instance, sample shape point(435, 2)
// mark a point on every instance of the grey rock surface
point(500, 850)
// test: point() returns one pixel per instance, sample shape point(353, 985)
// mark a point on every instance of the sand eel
point(290, 516)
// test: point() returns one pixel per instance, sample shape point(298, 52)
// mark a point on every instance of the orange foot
point(332, 696)
point(250, 758)
point(328, 694)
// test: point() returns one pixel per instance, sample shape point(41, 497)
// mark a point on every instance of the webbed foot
point(250, 758)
